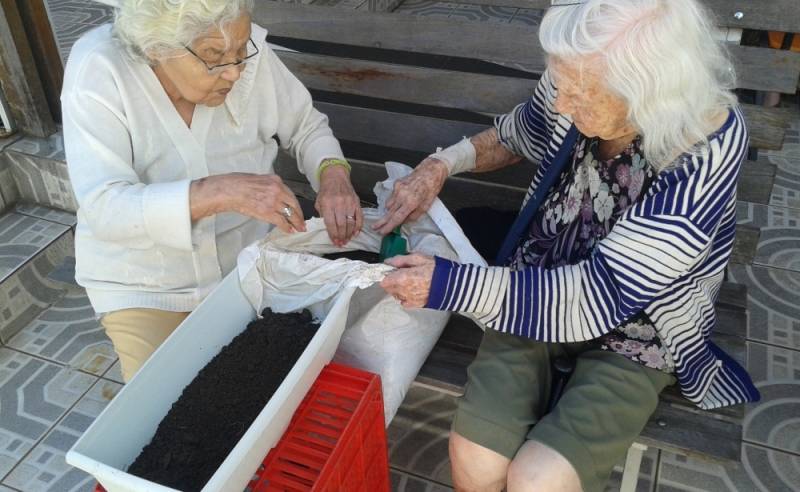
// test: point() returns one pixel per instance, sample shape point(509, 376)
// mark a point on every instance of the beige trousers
point(137, 333)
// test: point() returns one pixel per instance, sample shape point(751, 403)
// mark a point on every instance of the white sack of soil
point(285, 272)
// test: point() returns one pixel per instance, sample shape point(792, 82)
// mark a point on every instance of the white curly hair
point(152, 29)
point(660, 56)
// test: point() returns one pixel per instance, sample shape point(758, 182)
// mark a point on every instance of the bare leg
point(476, 468)
point(539, 468)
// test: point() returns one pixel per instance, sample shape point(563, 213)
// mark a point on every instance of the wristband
point(458, 158)
point(332, 162)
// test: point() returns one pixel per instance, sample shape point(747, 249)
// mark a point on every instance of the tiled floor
point(58, 371)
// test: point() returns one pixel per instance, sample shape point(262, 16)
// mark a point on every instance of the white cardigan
point(131, 159)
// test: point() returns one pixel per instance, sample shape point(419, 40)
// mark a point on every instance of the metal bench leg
point(630, 475)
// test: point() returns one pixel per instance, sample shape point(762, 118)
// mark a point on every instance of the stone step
point(35, 258)
point(39, 170)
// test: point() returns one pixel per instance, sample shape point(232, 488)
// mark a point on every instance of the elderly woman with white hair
point(616, 258)
point(173, 117)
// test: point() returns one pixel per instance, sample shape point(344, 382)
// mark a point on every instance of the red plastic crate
point(336, 441)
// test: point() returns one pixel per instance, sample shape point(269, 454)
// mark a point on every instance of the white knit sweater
point(131, 159)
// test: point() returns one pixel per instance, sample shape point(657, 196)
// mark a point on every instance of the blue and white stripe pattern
point(665, 256)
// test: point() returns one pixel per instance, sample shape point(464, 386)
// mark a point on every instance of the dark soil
point(365, 256)
point(218, 406)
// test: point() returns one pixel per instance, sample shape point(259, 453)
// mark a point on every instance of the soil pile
point(219, 405)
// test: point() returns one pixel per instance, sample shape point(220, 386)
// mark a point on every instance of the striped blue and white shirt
point(665, 256)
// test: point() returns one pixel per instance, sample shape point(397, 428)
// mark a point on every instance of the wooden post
point(19, 75)
point(45, 51)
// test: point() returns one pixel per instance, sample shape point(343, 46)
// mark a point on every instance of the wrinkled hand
point(339, 205)
point(413, 195)
point(261, 196)
point(411, 282)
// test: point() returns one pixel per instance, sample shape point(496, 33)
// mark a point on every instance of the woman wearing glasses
point(173, 117)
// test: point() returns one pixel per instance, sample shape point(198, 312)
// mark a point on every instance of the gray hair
point(660, 56)
point(153, 29)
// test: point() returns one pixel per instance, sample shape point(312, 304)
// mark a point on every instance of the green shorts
point(602, 411)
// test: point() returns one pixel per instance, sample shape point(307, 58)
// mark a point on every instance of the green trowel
point(393, 244)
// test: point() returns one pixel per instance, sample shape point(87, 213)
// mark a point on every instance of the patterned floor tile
point(67, 34)
point(786, 190)
point(44, 469)
point(6, 141)
point(528, 17)
point(762, 470)
point(484, 13)
point(29, 291)
point(114, 373)
point(403, 482)
point(42, 180)
point(8, 187)
point(22, 238)
point(34, 394)
point(773, 304)
point(51, 214)
point(647, 473)
point(68, 333)
point(779, 243)
point(775, 420)
point(78, 11)
point(51, 147)
point(419, 432)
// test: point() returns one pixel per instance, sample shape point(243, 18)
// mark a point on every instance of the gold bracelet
point(332, 162)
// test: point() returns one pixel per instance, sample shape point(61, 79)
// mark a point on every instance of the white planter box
point(129, 422)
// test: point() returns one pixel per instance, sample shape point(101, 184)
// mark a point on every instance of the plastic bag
point(285, 273)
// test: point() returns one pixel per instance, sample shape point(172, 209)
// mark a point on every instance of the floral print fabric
point(580, 211)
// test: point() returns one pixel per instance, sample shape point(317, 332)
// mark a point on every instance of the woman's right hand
point(413, 195)
point(261, 196)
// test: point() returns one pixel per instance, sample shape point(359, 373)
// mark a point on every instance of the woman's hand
point(339, 205)
point(413, 195)
point(260, 196)
point(411, 282)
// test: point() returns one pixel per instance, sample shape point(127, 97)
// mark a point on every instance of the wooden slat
point(691, 434)
point(745, 244)
point(510, 45)
point(733, 295)
point(423, 134)
point(765, 69)
point(485, 94)
point(755, 182)
point(399, 130)
point(766, 15)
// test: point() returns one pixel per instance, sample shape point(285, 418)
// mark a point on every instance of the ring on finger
point(287, 212)
point(351, 218)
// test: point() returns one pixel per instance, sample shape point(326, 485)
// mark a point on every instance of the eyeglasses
point(252, 50)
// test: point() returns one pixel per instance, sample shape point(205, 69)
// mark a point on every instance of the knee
point(539, 468)
point(475, 468)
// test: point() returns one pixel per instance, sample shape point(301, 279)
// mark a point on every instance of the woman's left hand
point(339, 205)
point(411, 282)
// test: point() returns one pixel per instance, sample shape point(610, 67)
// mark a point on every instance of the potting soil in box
point(365, 256)
point(219, 405)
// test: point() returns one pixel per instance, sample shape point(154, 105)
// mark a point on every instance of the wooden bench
point(397, 86)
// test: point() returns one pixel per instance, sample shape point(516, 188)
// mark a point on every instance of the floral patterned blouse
point(580, 211)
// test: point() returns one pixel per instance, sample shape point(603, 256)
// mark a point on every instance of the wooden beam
point(45, 51)
point(19, 76)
